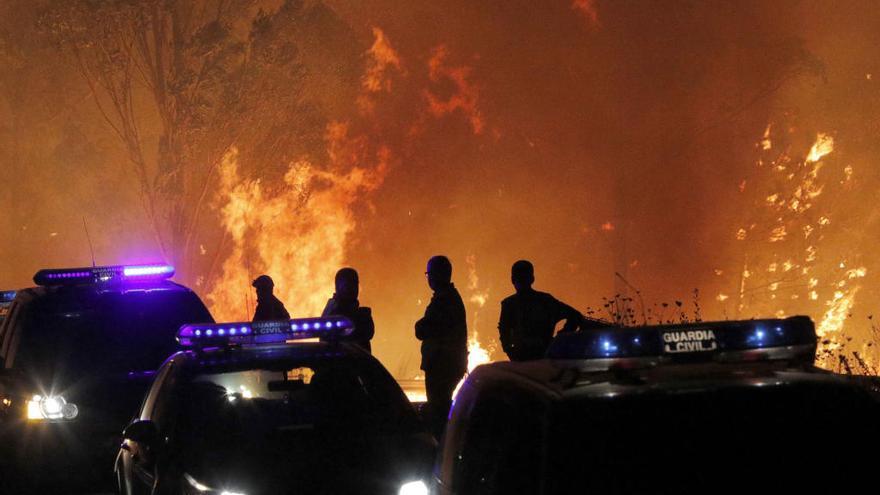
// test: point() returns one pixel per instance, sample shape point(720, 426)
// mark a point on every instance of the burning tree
point(796, 252)
point(179, 83)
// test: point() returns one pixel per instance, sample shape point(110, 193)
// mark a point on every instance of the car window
point(108, 332)
point(272, 411)
point(157, 401)
point(673, 443)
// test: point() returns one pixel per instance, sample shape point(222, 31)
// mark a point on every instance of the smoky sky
point(613, 144)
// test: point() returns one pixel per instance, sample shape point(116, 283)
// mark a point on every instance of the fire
point(382, 58)
point(297, 235)
point(466, 97)
point(824, 145)
point(587, 9)
point(812, 273)
point(766, 143)
point(477, 354)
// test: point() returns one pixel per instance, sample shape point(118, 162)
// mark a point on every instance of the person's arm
point(573, 318)
point(259, 313)
point(364, 327)
point(428, 327)
point(504, 325)
point(329, 308)
point(281, 310)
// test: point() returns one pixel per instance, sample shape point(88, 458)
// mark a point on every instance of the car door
point(139, 461)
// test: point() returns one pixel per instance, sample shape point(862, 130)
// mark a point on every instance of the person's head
point(522, 275)
point(264, 286)
point(439, 272)
point(347, 283)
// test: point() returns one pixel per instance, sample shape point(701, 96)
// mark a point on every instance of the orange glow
point(382, 58)
point(824, 145)
point(298, 235)
point(466, 96)
point(587, 9)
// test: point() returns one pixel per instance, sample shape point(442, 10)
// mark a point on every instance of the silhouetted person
point(345, 303)
point(529, 318)
point(443, 332)
point(268, 306)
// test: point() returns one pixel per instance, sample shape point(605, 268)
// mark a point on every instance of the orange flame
point(466, 96)
point(824, 144)
point(298, 235)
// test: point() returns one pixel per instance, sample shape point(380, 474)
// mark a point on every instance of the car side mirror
point(144, 432)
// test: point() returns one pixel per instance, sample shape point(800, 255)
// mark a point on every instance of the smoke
point(590, 137)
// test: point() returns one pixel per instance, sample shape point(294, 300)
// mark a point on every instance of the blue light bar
point(6, 296)
point(263, 332)
point(103, 274)
point(790, 338)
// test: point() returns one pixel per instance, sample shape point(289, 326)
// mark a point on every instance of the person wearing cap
point(345, 303)
point(443, 332)
point(528, 317)
point(269, 307)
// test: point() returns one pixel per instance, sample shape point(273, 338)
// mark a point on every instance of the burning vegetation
point(640, 152)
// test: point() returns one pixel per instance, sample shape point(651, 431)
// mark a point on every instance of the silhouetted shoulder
point(507, 301)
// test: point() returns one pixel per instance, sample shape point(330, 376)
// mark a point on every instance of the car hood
point(316, 462)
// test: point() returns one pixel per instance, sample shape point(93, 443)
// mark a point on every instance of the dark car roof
point(216, 360)
point(63, 290)
point(560, 380)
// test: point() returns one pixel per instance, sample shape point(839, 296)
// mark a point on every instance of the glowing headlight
point(50, 407)
point(413, 488)
point(206, 489)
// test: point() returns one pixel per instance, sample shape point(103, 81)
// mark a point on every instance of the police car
point(77, 353)
point(703, 407)
point(274, 408)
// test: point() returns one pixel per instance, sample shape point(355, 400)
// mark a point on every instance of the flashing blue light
point(608, 347)
point(103, 274)
point(759, 338)
point(7, 296)
point(793, 338)
point(148, 270)
point(265, 332)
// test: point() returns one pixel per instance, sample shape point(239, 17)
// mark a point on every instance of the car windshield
point(288, 413)
point(687, 442)
point(108, 332)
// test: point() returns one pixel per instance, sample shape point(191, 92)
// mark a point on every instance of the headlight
point(413, 488)
point(206, 489)
point(52, 407)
